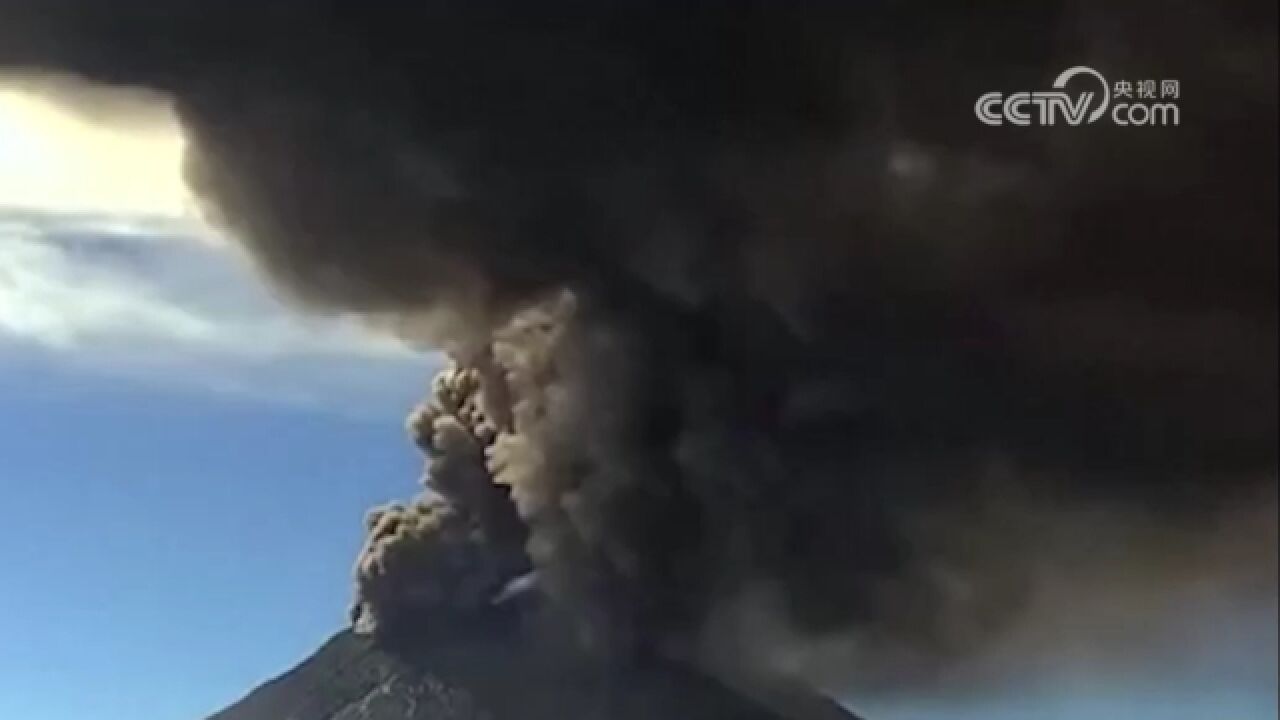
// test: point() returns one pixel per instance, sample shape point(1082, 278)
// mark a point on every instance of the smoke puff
point(452, 550)
point(742, 293)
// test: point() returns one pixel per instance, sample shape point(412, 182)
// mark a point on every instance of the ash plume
point(740, 295)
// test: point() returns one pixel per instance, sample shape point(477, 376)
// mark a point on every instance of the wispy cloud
point(76, 282)
point(156, 298)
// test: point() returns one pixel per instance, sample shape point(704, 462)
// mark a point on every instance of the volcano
point(492, 666)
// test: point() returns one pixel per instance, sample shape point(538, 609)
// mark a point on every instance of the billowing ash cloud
point(741, 295)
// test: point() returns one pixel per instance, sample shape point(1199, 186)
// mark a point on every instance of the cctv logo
point(1047, 108)
point(1019, 108)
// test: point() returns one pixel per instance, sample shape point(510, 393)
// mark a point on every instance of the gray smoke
point(742, 298)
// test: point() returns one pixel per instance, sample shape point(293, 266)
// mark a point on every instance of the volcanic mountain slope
point(471, 670)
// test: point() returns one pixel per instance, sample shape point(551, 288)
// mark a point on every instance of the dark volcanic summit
point(469, 670)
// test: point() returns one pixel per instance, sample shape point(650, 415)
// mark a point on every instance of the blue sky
point(165, 549)
point(184, 463)
point(185, 460)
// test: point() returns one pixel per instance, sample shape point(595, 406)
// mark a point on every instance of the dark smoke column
point(745, 302)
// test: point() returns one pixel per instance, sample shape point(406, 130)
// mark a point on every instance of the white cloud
point(105, 266)
point(73, 283)
point(66, 146)
point(149, 298)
